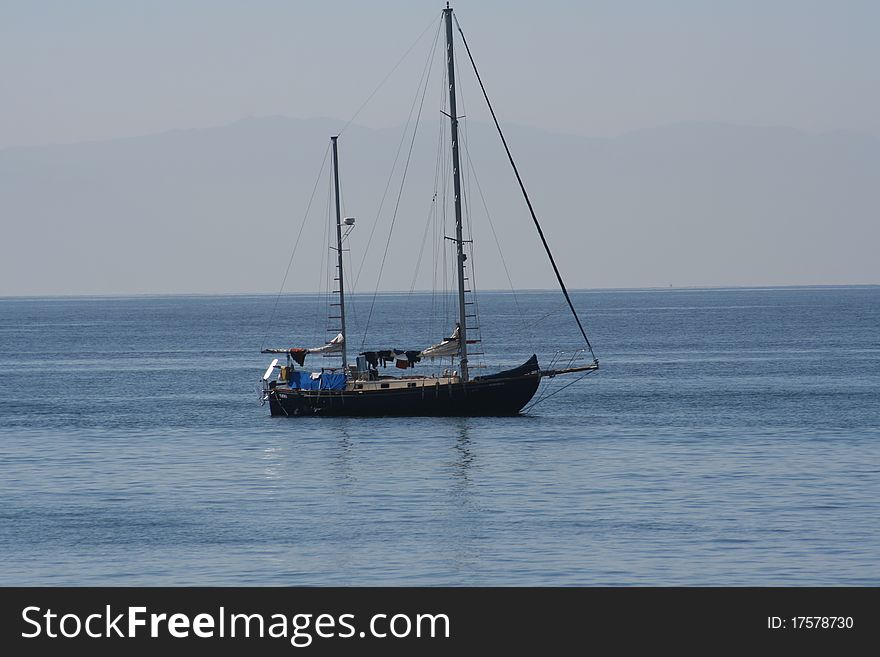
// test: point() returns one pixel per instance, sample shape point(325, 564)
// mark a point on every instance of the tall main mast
point(339, 253)
point(459, 241)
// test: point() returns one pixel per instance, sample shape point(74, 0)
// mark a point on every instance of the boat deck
point(391, 383)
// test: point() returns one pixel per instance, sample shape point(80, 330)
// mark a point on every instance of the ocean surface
point(731, 437)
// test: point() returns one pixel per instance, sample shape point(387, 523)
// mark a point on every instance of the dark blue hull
point(490, 396)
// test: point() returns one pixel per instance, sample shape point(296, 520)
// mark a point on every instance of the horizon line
point(601, 290)
point(616, 135)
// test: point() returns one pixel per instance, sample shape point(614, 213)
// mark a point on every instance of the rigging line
point(391, 72)
point(466, 194)
point(526, 328)
point(329, 248)
point(350, 306)
point(474, 299)
point(322, 273)
point(412, 286)
point(393, 167)
point(431, 213)
point(295, 247)
point(382, 203)
point(431, 226)
point(546, 387)
point(328, 272)
point(463, 125)
point(426, 76)
point(463, 138)
point(350, 257)
point(442, 246)
point(556, 392)
point(547, 316)
point(468, 212)
point(436, 243)
point(525, 195)
point(339, 166)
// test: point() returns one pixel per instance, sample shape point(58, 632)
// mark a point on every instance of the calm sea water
point(732, 437)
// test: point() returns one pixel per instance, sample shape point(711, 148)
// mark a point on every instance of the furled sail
point(299, 354)
point(450, 346)
point(332, 347)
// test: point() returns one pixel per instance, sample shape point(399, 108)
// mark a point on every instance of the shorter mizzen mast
point(338, 344)
point(340, 278)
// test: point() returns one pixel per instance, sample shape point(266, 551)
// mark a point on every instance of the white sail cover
point(335, 345)
point(450, 346)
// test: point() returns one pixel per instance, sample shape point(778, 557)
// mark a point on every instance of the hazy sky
point(664, 142)
point(93, 69)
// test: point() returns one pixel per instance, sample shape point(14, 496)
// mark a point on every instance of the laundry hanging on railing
point(299, 354)
point(401, 358)
point(406, 358)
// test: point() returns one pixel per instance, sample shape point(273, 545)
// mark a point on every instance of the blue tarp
point(326, 381)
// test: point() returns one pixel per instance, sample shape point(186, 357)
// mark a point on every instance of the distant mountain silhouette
point(218, 209)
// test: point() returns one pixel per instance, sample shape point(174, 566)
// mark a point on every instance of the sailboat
point(357, 389)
